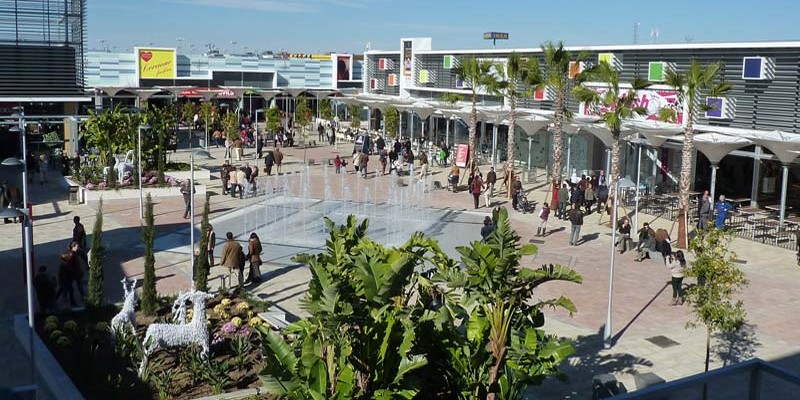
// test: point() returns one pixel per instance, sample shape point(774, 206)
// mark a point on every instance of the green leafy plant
point(325, 109)
point(355, 115)
point(149, 294)
point(273, 119)
point(201, 262)
point(164, 382)
point(391, 122)
point(187, 113)
point(713, 300)
point(302, 114)
point(94, 297)
point(231, 125)
point(217, 374)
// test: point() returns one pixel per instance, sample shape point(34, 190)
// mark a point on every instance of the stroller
point(524, 205)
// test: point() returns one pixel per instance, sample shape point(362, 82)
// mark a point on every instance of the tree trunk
point(511, 150)
point(708, 358)
point(558, 145)
point(613, 177)
point(473, 134)
point(685, 177)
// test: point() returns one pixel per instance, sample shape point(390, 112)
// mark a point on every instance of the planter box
point(130, 192)
point(48, 368)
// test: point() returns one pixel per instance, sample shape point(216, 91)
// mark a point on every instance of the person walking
point(602, 197)
point(241, 180)
point(704, 211)
point(187, 190)
point(232, 181)
point(624, 229)
point(228, 149)
point(269, 161)
point(364, 160)
point(45, 290)
point(576, 219)
point(423, 170)
point(382, 159)
point(356, 161)
point(516, 192)
point(44, 165)
point(278, 160)
point(79, 232)
point(663, 245)
point(477, 185)
point(677, 265)
point(320, 133)
point(337, 163)
point(254, 256)
point(588, 197)
point(491, 179)
point(224, 177)
point(544, 214)
point(238, 148)
point(454, 177)
point(233, 257)
point(563, 200)
point(723, 208)
point(259, 145)
point(212, 242)
point(487, 228)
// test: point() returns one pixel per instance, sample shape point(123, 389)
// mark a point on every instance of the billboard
point(462, 155)
point(407, 49)
point(156, 63)
point(344, 67)
point(652, 100)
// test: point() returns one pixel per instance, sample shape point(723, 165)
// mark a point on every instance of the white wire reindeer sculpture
point(127, 315)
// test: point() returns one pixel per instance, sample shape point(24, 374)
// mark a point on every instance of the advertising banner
point(407, 58)
point(156, 63)
point(652, 100)
point(344, 67)
point(462, 155)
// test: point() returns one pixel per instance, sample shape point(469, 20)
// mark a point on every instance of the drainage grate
point(536, 241)
point(662, 341)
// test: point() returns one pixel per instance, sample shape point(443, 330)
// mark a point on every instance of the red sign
point(462, 155)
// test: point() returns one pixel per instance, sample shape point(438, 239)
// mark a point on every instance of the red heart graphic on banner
point(146, 55)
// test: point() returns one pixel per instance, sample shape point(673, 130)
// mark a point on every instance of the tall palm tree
point(514, 82)
point(475, 74)
point(619, 105)
point(451, 99)
point(696, 82)
point(557, 60)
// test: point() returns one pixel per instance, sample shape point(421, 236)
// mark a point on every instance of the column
point(784, 187)
point(756, 177)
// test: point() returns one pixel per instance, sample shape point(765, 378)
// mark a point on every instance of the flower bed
point(103, 366)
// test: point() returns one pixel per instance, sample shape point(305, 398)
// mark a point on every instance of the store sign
point(651, 100)
point(156, 63)
point(462, 155)
point(407, 49)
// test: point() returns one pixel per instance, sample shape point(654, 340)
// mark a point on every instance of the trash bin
point(74, 197)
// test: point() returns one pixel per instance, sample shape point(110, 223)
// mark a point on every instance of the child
point(337, 162)
point(544, 213)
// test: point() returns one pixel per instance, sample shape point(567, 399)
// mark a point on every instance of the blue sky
point(311, 26)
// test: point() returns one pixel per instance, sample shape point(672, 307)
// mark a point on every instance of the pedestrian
point(356, 161)
point(238, 147)
point(624, 244)
point(453, 177)
point(241, 180)
point(187, 190)
point(228, 148)
point(212, 242)
point(320, 133)
point(382, 159)
point(79, 232)
point(337, 163)
point(423, 170)
point(723, 208)
point(576, 219)
point(663, 245)
point(647, 242)
point(44, 165)
point(544, 214)
point(5, 202)
point(677, 267)
point(491, 178)
point(516, 192)
point(278, 160)
point(487, 228)
point(259, 144)
point(232, 181)
point(224, 177)
point(269, 161)
point(254, 256)
point(46, 291)
point(602, 197)
point(363, 164)
point(704, 211)
point(563, 200)
point(476, 186)
point(588, 197)
point(233, 258)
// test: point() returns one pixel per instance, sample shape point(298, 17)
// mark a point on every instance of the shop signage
point(462, 155)
point(156, 63)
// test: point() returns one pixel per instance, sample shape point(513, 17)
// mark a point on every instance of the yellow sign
point(156, 63)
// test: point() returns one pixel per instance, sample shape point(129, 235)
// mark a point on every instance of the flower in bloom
point(244, 332)
point(242, 306)
point(228, 328)
point(255, 321)
point(236, 321)
point(225, 302)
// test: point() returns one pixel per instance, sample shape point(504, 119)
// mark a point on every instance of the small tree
point(95, 296)
point(302, 115)
point(188, 113)
point(201, 263)
point(712, 300)
point(273, 119)
point(325, 110)
point(161, 120)
point(391, 122)
point(149, 295)
point(231, 125)
point(355, 115)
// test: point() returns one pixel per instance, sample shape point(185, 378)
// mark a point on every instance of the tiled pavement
point(640, 309)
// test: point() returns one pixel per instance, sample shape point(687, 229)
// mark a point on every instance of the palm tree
point(695, 82)
point(519, 76)
point(557, 60)
point(475, 74)
point(621, 105)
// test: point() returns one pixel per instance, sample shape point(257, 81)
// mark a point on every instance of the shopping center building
point(765, 98)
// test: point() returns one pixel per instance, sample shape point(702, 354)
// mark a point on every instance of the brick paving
point(641, 292)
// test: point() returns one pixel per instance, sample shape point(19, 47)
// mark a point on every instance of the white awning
point(656, 132)
point(715, 146)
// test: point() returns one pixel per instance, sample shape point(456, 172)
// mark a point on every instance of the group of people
point(73, 267)
point(238, 180)
point(234, 258)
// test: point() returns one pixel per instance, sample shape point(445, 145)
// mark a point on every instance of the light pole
point(139, 166)
point(607, 327)
point(638, 177)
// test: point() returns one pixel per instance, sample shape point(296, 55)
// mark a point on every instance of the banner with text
point(156, 63)
point(462, 155)
point(651, 100)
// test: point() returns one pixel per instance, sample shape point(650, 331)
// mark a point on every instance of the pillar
point(784, 186)
point(756, 177)
point(712, 189)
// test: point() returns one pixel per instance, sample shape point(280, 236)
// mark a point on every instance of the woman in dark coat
point(254, 256)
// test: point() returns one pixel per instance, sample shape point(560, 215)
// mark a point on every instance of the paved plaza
point(649, 335)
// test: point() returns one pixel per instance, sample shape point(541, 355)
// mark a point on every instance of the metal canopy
point(656, 132)
point(716, 146)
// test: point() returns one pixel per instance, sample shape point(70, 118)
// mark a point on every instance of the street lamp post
point(139, 166)
point(607, 327)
